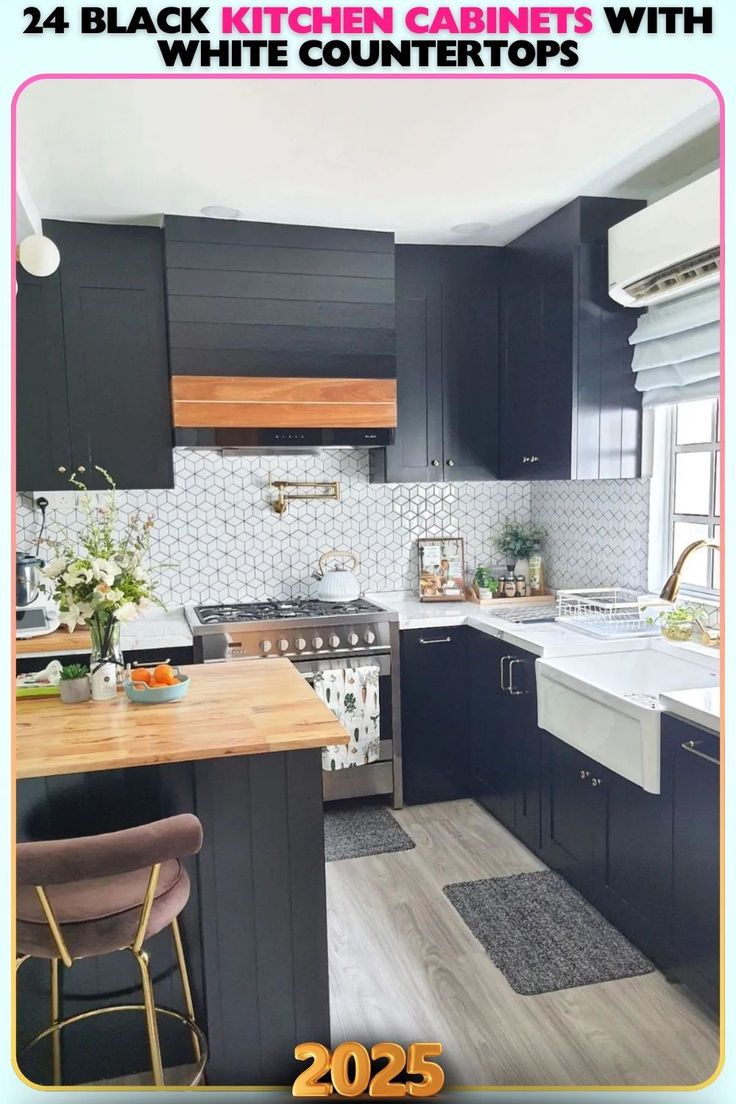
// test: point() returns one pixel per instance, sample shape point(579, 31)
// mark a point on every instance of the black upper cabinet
point(434, 716)
point(265, 299)
point(569, 409)
point(44, 447)
point(447, 319)
point(102, 359)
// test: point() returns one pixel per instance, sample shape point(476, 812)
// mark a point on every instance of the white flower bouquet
point(101, 580)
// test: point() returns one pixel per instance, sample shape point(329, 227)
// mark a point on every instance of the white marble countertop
point(545, 639)
point(702, 707)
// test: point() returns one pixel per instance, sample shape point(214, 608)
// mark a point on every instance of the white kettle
point(338, 583)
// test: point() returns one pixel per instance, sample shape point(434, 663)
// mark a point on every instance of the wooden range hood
point(270, 402)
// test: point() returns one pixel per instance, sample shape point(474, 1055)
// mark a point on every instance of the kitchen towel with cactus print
point(352, 695)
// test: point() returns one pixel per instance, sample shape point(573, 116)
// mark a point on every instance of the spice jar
point(509, 588)
point(521, 586)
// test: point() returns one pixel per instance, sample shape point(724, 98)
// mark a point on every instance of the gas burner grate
point(276, 610)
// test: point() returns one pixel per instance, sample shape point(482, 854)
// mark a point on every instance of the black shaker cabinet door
point(434, 727)
point(447, 353)
point(493, 751)
point(694, 758)
point(44, 454)
point(470, 338)
point(116, 353)
point(573, 812)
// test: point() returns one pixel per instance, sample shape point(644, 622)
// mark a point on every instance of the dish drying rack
point(608, 612)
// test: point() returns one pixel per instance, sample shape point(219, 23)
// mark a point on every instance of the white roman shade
point(677, 349)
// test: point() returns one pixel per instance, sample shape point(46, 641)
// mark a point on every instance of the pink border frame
point(402, 77)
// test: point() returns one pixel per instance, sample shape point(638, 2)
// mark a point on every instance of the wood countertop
point(59, 642)
point(246, 708)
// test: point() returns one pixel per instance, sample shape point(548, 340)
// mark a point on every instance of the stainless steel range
point(316, 635)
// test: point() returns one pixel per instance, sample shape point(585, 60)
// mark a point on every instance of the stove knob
point(369, 636)
point(300, 643)
point(265, 646)
point(283, 645)
point(353, 639)
point(317, 642)
point(334, 641)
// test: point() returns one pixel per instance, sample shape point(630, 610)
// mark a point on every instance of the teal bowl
point(141, 694)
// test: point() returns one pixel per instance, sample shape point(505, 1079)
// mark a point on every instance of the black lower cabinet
point(504, 738)
point(610, 839)
point(691, 760)
point(434, 714)
point(633, 876)
point(573, 809)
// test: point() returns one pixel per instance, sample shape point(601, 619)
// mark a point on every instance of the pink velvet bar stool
point(78, 898)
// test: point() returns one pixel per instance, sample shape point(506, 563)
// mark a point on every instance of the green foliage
point(74, 671)
point(517, 541)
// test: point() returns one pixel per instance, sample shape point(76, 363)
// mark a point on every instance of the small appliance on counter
point(35, 613)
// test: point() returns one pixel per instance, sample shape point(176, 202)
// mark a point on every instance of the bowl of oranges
point(153, 685)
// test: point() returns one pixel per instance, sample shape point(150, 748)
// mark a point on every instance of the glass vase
point(106, 658)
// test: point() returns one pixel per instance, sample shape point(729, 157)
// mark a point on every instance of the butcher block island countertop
point(246, 708)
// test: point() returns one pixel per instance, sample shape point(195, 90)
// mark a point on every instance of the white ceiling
point(414, 156)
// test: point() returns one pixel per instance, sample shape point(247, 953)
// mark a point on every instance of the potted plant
point(99, 579)
point(74, 684)
point(678, 623)
point(516, 542)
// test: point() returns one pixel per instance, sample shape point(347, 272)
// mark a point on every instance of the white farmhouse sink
point(607, 704)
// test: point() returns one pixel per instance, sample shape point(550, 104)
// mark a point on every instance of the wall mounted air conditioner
point(668, 249)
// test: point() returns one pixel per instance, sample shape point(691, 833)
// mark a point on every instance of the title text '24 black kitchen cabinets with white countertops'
point(92, 362)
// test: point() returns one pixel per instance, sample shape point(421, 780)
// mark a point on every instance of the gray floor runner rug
point(542, 934)
point(368, 830)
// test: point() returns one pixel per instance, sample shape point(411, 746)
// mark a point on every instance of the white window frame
point(660, 450)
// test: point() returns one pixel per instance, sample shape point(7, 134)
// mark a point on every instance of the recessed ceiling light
point(216, 211)
point(470, 227)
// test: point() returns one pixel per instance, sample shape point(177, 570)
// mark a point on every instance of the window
point(686, 495)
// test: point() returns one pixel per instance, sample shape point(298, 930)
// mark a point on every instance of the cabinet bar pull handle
point(691, 746)
point(439, 640)
point(511, 690)
point(504, 686)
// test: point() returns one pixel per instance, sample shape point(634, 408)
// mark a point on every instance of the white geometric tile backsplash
point(217, 539)
point(597, 531)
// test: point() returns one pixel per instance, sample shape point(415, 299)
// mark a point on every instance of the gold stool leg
point(184, 974)
point(153, 1041)
point(55, 1036)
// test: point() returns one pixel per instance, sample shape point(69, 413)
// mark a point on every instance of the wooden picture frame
point(441, 569)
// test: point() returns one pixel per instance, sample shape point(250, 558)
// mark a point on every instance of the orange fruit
point(165, 674)
point(141, 674)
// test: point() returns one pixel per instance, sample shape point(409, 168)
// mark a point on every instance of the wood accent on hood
point(266, 402)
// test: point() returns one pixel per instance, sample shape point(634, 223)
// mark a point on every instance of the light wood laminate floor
point(404, 967)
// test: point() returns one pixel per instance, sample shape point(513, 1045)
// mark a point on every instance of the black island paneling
point(265, 299)
point(255, 927)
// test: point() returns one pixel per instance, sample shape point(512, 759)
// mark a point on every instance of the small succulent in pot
point(74, 684)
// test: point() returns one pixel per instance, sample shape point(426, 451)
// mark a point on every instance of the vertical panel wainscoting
point(254, 928)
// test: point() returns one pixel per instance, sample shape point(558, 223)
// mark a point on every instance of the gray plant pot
point(73, 691)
